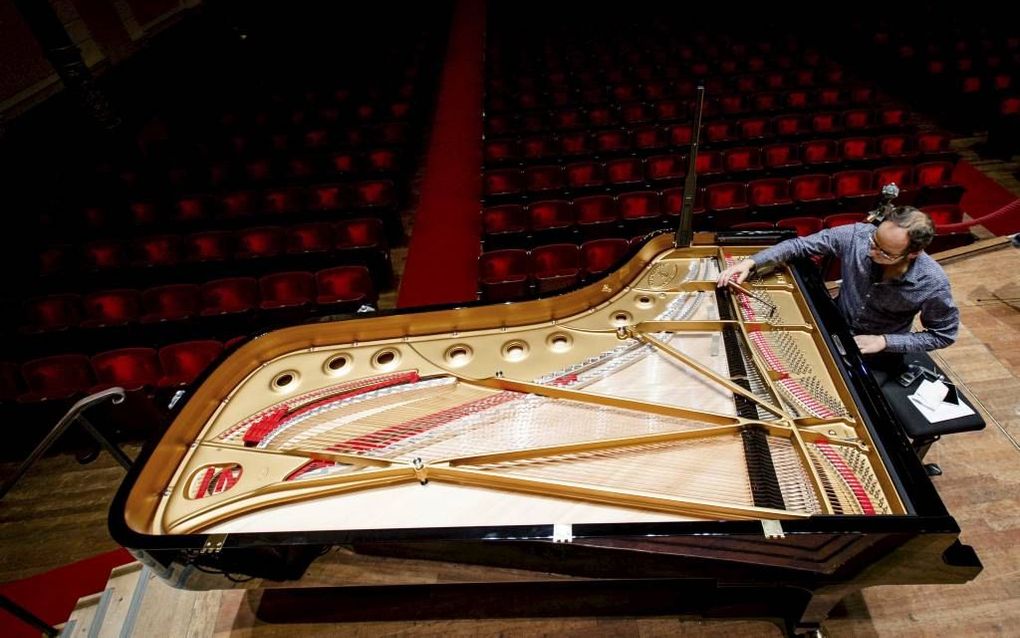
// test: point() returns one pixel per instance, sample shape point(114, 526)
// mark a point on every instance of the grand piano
point(644, 444)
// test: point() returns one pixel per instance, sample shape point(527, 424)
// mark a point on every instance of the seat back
point(183, 362)
point(229, 295)
point(130, 368)
point(345, 284)
point(170, 302)
point(56, 377)
point(286, 289)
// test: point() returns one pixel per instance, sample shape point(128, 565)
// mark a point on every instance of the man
point(887, 280)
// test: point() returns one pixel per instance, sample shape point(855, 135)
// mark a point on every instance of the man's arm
point(830, 241)
point(941, 320)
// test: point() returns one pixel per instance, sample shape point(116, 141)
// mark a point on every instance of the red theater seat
point(843, 219)
point(286, 290)
point(105, 255)
point(781, 158)
point(803, 225)
point(284, 201)
point(812, 193)
point(506, 224)
point(539, 179)
point(173, 302)
point(52, 312)
point(212, 245)
point(552, 217)
point(229, 295)
point(743, 161)
point(502, 182)
point(183, 362)
point(819, 154)
point(345, 286)
point(597, 215)
point(378, 193)
point(665, 168)
point(942, 214)
point(264, 241)
point(239, 204)
point(858, 151)
point(624, 172)
point(328, 197)
point(555, 266)
point(315, 237)
point(639, 210)
point(503, 274)
point(157, 251)
point(585, 176)
point(853, 189)
point(728, 202)
point(896, 147)
point(57, 377)
point(770, 196)
point(601, 255)
point(111, 308)
point(129, 368)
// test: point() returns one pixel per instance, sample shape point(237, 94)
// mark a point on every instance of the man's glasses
point(882, 253)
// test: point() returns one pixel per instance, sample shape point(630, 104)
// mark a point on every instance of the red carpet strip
point(442, 259)
point(51, 596)
point(985, 196)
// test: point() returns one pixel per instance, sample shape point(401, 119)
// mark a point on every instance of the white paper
point(930, 394)
point(943, 411)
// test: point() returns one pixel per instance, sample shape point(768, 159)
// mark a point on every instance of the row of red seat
point(646, 140)
point(929, 180)
point(797, 111)
point(361, 239)
point(67, 376)
point(192, 208)
point(746, 98)
point(338, 288)
point(514, 273)
point(264, 168)
point(716, 206)
point(326, 109)
point(969, 79)
point(600, 62)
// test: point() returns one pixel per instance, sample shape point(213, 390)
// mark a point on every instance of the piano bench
point(922, 432)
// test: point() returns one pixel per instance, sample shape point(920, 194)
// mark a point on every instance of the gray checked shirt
point(876, 307)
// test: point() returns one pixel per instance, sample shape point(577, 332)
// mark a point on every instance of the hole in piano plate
point(559, 342)
point(338, 364)
point(386, 359)
point(458, 355)
point(644, 302)
point(515, 351)
point(621, 319)
point(285, 380)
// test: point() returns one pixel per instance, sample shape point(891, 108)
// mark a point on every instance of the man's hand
point(870, 344)
point(738, 272)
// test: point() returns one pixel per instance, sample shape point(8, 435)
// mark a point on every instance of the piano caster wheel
point(933, 469)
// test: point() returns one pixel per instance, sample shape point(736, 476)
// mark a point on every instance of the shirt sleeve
point(830, 241)
point(941, 320)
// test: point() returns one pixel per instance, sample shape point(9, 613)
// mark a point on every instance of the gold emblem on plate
point(661, 275)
